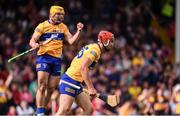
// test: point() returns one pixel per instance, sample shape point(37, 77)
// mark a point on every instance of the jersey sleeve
point(39, 29)
point(66, 30)
point(93, 54)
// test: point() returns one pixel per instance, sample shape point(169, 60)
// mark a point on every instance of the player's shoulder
point(44, 23)
point(63, 25)
point(93, 46)
point(93, 50)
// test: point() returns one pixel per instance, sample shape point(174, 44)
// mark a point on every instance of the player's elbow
point(83, 68)
point(69, 39)
point(70, 42)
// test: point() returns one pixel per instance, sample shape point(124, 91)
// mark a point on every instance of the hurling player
point(48, 62)
point(79, 72)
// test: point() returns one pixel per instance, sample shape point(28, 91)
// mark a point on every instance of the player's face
point(111, 44)
point(58, 17)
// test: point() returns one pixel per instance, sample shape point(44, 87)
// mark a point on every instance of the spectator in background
point(33, 87)
point(15, 93)
point(160, 106)
point(177, 102)
point(12, 111)
point(24, 109)
point(5, 94)
point(134, 89)
point(25, 94)
point(175, 99)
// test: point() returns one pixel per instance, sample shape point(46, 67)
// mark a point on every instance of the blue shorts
point(49, 64)
point(69, 90)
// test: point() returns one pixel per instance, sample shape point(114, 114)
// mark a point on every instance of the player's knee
point(50, 90)
point(42, 87)
point(66, 110)
point(63, 110)
point(88, 110)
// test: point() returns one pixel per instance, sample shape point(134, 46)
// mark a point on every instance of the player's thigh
point(43, 70)
point(55, 69)
point(65, 102)
point(55, 75)
point(53, 81)
point(83, 101)
point(43, 77)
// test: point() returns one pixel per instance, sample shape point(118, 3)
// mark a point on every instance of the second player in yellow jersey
point(79, 72)
point(92, 51)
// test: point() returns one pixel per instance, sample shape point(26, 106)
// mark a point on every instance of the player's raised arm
point(71, 38)
point(85, 75)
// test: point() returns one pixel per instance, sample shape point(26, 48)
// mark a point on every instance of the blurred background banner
point(143, 68)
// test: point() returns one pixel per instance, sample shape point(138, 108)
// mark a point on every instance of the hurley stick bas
point(111, 100)
point(27, 51)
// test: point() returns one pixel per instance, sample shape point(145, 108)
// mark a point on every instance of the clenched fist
point(80, 26)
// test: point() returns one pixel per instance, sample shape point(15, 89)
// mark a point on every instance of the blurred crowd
point(139, 69)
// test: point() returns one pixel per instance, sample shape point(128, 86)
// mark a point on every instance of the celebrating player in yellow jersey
point(79, 72)
point(51, 33)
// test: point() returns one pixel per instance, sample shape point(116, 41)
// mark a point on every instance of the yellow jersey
point(56, 35)
point(3, 97)
point(177, 110)
point(92, 51)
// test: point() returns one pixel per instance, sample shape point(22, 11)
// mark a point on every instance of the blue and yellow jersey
point(55, 33)
point(92, 51)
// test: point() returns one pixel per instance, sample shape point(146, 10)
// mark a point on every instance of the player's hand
point(80, 26)
point(92, 92)
point(34, 45)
